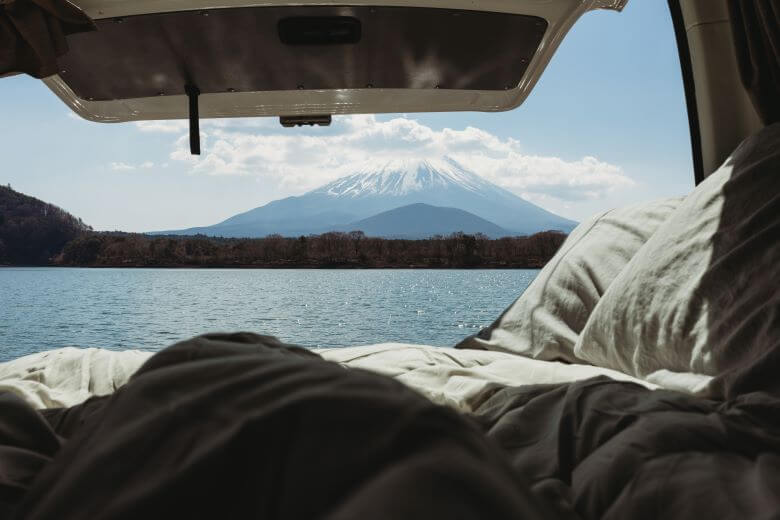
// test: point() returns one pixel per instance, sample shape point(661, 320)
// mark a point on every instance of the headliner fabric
point(33, 34)
point(242, 426)
point(240, 50)
point(756, 28)
point(702, 294)
point(546, 320)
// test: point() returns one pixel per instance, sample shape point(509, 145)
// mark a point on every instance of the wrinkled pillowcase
point(546, 319)
point(703, 294)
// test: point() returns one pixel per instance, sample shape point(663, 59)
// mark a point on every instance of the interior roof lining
point(241, 50)
point(560, 15)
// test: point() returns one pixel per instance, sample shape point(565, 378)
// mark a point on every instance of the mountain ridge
point(378, 187)
point(424, 221)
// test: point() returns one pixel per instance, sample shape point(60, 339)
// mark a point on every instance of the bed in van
point(636, 377)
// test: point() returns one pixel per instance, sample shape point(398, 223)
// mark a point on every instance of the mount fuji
point(401, 185)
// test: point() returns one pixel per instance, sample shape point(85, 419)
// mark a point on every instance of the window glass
point(605, 126)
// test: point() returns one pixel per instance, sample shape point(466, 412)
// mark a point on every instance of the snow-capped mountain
point(379, 187)
point(401, 177)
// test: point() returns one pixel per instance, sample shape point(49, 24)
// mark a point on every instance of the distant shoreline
point(282, 267)
point(279, 267)
point(334, 250)
point(36, 234)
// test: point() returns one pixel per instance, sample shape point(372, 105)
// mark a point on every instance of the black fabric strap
point(192, 94)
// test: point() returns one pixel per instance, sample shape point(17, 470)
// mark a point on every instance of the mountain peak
point(380, 186)
point(404, 176)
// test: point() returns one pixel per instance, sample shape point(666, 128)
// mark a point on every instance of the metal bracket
point(291, 121)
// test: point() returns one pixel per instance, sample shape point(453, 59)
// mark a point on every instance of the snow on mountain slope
point(404, 176)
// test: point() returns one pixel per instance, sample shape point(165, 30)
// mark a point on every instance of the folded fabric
point(546, 320)
point(463, 379)
point(32, 34)
point(614, 451)
point(702, 294)
point(460, 379)
point(68, 376)
point(27, 445)
point(242, 426)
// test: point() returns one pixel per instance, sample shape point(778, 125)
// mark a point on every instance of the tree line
point(335, 249)
point(33, 232)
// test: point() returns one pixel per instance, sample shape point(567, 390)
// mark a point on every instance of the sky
point(605, 126)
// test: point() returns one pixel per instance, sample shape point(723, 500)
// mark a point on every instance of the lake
point(45, 308)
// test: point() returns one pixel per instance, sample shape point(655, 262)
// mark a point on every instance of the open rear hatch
point(308, 60)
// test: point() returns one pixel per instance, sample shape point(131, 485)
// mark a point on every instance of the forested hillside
point(32, 231)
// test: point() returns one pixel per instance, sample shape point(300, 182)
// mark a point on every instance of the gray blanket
point(612, 450)
point(242, 426)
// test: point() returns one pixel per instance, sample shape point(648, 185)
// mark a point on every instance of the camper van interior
point(635, 377)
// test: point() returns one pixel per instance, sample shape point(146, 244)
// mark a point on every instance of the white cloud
point(302, 159)
point(181, 125)
point(586, 178)
point(169, 127)
point(120, 166)
point(126, 167)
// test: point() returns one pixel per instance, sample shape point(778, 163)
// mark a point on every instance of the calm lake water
point(45, 308)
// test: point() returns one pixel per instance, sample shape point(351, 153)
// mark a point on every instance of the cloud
point(302, 159)
point(178, 126)
point(586, 178)
point(169, 127)
point(120, 166)
point(125, 167)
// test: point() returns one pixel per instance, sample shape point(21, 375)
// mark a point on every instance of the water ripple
point(149, 309)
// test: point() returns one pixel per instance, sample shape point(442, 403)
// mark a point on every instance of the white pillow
point(703, 294)
point(545, 321)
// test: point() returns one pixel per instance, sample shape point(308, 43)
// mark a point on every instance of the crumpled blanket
point(68, 376)
point(458, 378)
point(614, 450)
point(242, 426)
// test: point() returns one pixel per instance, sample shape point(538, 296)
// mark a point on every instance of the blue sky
point(605, 126)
